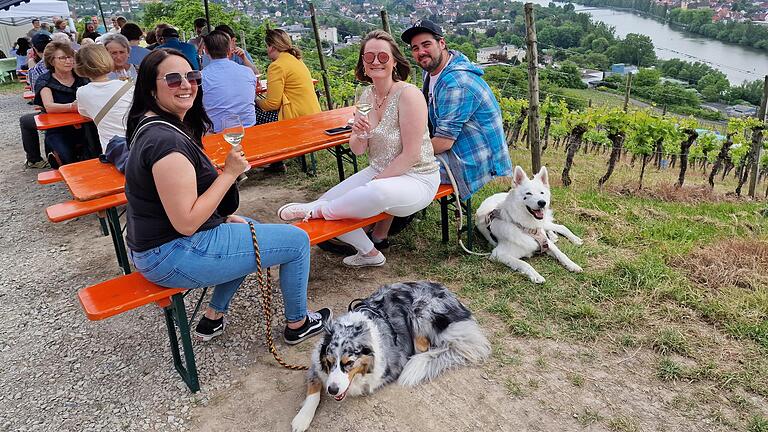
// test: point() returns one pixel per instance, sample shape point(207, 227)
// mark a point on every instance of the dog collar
point(537, 234)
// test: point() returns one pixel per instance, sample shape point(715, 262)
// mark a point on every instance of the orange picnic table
point(263, 144)
point(54, 120)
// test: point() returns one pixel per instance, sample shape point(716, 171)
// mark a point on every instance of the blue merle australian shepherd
point(409, 332)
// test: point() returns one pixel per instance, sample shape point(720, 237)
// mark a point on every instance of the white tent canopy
point(24, 12)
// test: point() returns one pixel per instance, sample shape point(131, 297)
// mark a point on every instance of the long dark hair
point(23, 46)
point(196, 122)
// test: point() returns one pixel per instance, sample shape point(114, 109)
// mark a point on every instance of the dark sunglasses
point(173, 79)
point(369, 57)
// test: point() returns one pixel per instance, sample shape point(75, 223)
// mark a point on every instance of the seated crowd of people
point(182, 230)
point(83, 77)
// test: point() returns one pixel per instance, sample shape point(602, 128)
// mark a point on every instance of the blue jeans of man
point(224, 256)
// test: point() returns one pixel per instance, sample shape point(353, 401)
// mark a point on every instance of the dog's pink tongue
point(538, 213)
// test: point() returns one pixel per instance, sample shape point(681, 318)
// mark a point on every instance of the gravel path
point(60, 371)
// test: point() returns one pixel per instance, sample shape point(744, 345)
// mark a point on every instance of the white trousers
point(360, 197)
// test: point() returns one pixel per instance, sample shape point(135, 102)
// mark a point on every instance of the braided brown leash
point(265, 286)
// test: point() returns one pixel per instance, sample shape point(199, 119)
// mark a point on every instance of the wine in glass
point(233, 131)
point(363, 105)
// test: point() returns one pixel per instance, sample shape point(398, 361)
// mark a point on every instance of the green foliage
point(647, 78)
point(635, 49)
point(554, 109)
point(647, 130)
point(181, 14)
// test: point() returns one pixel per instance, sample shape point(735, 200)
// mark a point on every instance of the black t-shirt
point(61, 94)
point(148, 225)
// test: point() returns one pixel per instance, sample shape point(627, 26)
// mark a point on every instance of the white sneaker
point(296, 211)
point(359, 260)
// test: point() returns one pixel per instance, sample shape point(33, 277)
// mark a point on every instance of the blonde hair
point(50, 50)
point(93, 61)
point(281, 41)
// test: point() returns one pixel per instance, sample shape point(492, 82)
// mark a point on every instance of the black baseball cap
point(423, 26)
point(40, 40)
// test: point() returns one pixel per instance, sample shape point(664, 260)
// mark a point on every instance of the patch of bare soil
point(741, 263)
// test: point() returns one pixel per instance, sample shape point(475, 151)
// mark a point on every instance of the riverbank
point(696, 21)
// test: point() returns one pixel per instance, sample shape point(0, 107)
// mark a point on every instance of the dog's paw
point(301, 422)
point(577, 241)
point(537, 278)
point(575, 268)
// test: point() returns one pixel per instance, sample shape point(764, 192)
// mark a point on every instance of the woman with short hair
point(95, 63)
point(181, 228)
point(118, 47)
point(56, 92)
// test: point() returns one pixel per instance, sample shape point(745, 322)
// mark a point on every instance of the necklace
point(376, 97)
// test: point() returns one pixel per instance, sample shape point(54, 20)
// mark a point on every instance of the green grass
point(12, 87)
point(670, 340)
point(758, 424)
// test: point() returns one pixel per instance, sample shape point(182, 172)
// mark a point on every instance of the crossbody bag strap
point(112, 101)
point(144, 125)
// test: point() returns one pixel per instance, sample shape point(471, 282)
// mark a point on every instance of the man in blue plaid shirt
point(464, 117)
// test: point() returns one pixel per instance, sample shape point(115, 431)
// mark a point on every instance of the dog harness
point(537, 234)
point(363, 306)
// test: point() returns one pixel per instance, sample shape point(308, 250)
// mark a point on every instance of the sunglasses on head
point(382, 56)
point(173, 79)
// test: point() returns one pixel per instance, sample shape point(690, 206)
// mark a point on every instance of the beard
point(433, 64)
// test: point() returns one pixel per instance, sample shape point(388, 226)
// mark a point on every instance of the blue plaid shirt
point(464, 109)
point(34, 73)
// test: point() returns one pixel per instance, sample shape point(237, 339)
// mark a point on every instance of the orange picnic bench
point(48, 177)
point(131, 291)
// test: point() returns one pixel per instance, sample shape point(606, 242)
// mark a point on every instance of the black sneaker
point(314, 325)
point(380, 244)
point(338, 247)
point(208, 329)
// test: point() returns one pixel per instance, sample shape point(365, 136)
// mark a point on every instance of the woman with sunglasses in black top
point(181, 226)
point(402, 177)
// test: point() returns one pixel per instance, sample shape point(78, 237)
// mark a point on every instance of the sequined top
point(385, 142)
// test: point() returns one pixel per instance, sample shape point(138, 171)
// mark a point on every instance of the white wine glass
point(363, 105)
point(233, 131)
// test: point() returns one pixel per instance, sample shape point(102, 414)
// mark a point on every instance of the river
point(737, 62)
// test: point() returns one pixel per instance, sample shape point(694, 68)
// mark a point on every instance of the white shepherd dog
point(519, 224)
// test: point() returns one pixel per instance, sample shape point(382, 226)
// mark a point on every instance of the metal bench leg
point(117, 239)
point(444, 218)
point(176, 312)
point(313, 164)
point(103, 225)
point(338, 152)
point(470, 225)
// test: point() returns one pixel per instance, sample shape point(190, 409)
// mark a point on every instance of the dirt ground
point(116, 375)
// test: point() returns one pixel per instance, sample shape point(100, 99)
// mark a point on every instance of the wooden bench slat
point(48, 177)
point(321, 230)
point(72, 209)
point(121, 294)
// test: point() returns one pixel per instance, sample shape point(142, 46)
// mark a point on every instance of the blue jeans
point(224, 256)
